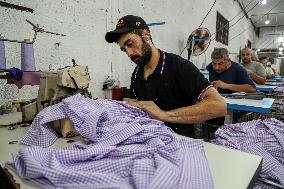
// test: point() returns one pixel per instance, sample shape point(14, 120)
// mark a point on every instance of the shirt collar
point(159, 68)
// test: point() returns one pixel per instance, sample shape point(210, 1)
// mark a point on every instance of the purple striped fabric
point(264, 138)
point(279, 89)
point(278, 104)
point(128, 150)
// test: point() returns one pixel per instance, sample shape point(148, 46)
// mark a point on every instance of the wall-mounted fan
point(198, 42)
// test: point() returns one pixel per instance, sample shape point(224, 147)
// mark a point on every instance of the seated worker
point(227, 77)
point(269, 71)
point(171, 89)
point(255, 70)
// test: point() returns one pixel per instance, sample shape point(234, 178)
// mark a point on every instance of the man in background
point(228, 76)
point(270, 72)
point(255, 70)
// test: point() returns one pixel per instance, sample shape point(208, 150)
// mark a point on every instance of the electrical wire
point(269, 43)
point(200, 25)
point(224, 25)
point(251, 25)
point(265, 42)
point(234, 18)
point(235, 22)
point(207, 13)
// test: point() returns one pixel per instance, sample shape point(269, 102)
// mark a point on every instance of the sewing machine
point(55, 86)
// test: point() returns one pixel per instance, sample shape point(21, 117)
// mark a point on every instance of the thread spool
point(27, 56)
point(117, 93)
point(2, 55)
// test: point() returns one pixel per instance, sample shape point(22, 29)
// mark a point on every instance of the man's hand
point(219, 84)
point(127, 100)
point(250, 72)
point(150, 107)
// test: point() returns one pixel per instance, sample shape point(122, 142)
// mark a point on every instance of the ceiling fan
point(198, 42)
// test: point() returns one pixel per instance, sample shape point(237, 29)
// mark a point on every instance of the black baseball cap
point(125, 24)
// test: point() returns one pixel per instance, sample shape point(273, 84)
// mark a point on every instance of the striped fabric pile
point(261, 137)
point(128, 149)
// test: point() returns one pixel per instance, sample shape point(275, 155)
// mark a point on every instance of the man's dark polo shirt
point(236, 74)
point(175, 83)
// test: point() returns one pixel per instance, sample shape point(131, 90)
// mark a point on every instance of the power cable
point(200, 24)
point(251, 25)
point(207, 13)
point(235, 22)
point(233, 18)
point(222, 26)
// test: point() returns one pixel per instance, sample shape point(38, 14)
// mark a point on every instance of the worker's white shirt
point(269, 71)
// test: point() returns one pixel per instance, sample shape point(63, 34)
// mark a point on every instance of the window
point(222, 29)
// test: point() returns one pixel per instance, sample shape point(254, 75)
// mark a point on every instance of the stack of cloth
point(260, 137)
point(279, 89)
point(128, 149)
point(278, 104)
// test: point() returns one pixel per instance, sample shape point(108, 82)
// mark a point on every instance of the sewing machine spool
point(27, 56)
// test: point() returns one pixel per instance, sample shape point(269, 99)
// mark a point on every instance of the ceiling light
point(281, 47)
point(263, 2)
point(267, 21)
point(281, 39)
point(258, 50)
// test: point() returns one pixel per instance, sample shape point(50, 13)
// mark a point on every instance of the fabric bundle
point(128, 149)
point(261, 137)
point(279, 89)
point(278, 104)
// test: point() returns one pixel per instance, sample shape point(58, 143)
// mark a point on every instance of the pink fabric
point(28, 78)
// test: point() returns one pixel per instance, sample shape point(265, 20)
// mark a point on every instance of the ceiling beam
point(267, 13)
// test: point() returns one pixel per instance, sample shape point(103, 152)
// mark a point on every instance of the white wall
point(238, 34)
point(85, 23)
point(268, 37)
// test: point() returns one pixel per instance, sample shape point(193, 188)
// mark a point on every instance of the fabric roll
point(27, 57)
point(2, 55)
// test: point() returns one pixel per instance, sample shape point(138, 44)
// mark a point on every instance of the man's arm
point(257, 78)
point(234, 87)
point(211, 105)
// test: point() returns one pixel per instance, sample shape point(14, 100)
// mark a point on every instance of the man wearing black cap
point(165, 85)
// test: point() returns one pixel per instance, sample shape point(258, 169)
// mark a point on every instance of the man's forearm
point(197, 113)
point(241, 88)
point(258, 79)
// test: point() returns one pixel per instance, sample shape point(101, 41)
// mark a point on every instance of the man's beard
point(246, 61)
point(146, 54)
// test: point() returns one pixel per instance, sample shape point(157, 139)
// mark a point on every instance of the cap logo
point(138, 24)
point(120, 24)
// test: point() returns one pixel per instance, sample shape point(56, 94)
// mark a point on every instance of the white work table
point(230, 168)
point(250, 105)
